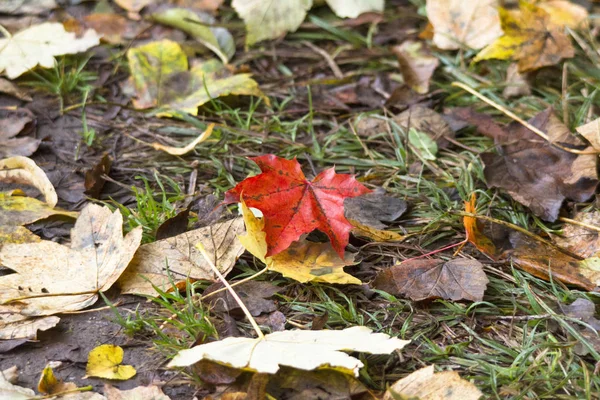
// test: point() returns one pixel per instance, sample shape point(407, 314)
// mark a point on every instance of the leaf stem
point(212, 265)
point(519, 119)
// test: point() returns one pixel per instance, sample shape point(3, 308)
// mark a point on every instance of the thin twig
point(212, 265)
point(337, 72)
point(579, 223)
point(519, 119)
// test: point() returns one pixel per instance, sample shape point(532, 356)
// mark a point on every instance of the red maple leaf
point(292, 205)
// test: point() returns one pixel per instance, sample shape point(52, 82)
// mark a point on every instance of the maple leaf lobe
point(292, 205)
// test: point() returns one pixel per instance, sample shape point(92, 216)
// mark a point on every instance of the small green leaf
point(424, 143)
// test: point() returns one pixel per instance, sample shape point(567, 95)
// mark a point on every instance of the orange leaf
point(474, 235)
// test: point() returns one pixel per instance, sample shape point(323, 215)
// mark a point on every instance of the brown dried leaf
point(516, 83)
point(7, 87)
point(372, 208)
point(591, 132)
point(580, 240)
point(457, 279)
point(426, 120)
point(535, 173)
point(254, 294)
point(12, 122)
point(151, 392)
point(425, 384)
point(183, 260)
point(416, 64)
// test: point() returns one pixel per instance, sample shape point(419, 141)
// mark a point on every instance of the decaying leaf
point(425, 384)
point(105, 361)
point(455, 25)
point(94, 177)
point(292, 205)
point(516, 83)
point(416, 64)
point(320, 384)
point(353, 8)
point(542, 260)
point(113, 28)
point(17, 209)
point(48, 384)
point(372, 208)
point(27, 6)
point(12, 122)
point(378, 235)
point(17, 234)
point(474, 235)
point(51, 278)
point(584, 310)
point(535, 173)
point(217, 39)
point(22, 170)
point(269, 20)
point(151, 392)
point(307, 350)
point(303, 261)
point(176, 259)
point(133, 6)
point(38, 45)
point(254, 294)
point(180, 151)
point(457, 279)
point(531, 38)
point(425, 120)
point(591, 132)
point(580, 240)
point(7, 87)
point(160, 78)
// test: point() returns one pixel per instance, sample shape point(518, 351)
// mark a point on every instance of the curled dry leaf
point(535, 173)
point(430, 279)
point(13, 122)
point(23, 170)
point(151, 392)
point(416, 64)
point(180, 151)
point(455, 25)
point(17, 209)
point(48, 384)
point(105, 361)
point(531, 38)
point(292, 205)
point(591, 132)
point(160, 78)
point(306, 350)
point(51, 278)
point(303, 261)
point(14, 325)
point(269, 20)
point(38, 45)
point(474, 235)
point(7, 87)
point(177, 259)
point(425, 384)
point(217, 39)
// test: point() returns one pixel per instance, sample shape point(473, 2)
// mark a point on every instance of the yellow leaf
point(160, 78)
point(306, 350)
point(183, 260)
point(16, 209)
point(48, 384)
point(530, 38)
point(51, 278)
point(425, 384)
point(180, 151)
point(474, 235)
point(17, 234)
point(105, 362)
point(38, 44)
point(455, 24)
point(564, 13)
point(303, 261)
point(23, 170)
point(375, 234)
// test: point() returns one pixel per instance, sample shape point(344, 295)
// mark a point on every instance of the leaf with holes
point(292, 205)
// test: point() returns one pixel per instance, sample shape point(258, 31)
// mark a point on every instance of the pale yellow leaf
point(456, 23)
point(180, 151)
point(151, 392)
point(176, 259)
point(307, 350)
point(353, 8)
point(591, 131)
point(9, 391)
point(270, 19)
point(38, 45)
point(23, 170)
point(425, 384)
point(51, 278)
point(105, 361)
point(13, 325)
